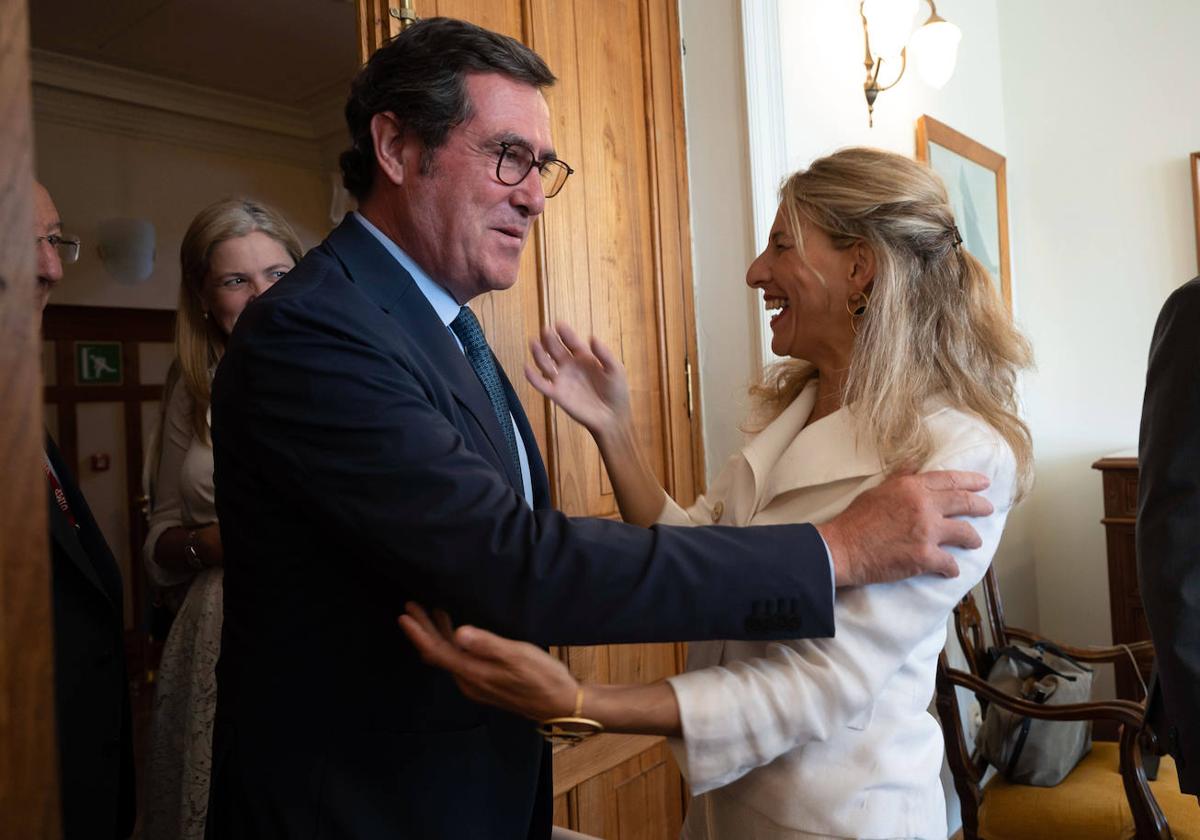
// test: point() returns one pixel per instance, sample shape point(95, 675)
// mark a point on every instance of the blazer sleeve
point(745, 714)
point(175, 438)
point(359, 439)
point(1168, 522)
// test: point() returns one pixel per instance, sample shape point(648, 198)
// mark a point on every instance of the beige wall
point(104, 159)
point(1101, 117)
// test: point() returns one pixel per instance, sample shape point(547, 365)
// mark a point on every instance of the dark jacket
point(359, 464)
point(1168, 526)
point(91, 688)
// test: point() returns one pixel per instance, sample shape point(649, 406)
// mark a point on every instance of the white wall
point(722, 226)
point(1101, 117)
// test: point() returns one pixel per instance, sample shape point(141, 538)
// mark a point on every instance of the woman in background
point(233, 251)
point(903, 357)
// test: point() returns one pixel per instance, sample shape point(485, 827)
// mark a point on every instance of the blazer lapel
point(391, 287)
point(68, 537)
point(788, 456)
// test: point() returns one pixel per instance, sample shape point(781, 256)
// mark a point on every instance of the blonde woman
point(902, 358)
point(233, 251)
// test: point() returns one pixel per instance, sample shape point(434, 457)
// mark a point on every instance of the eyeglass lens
point(67, 247)
point(516, 161)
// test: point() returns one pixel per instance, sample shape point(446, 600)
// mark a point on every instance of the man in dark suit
point(91, 692)
point(369, 451)
point(1168, 527)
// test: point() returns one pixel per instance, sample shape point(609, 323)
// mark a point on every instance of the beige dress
point(185, 698)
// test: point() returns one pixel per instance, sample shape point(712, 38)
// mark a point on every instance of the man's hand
point(896, 530)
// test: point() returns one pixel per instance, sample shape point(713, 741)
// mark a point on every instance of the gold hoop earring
point(857, 305)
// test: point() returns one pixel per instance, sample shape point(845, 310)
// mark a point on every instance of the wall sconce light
point(888, 25)
point(126, 248)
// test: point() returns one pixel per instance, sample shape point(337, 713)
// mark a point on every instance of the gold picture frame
point(1196, 203)
point(980, 201)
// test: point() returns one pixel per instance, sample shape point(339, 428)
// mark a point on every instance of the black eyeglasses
point(514, 162)
point(66, 246)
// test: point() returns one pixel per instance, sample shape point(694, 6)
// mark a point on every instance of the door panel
point(610, 256)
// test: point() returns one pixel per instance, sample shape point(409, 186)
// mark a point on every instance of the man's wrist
point(831, 535)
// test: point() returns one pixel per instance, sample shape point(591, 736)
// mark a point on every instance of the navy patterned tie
point(467, 328)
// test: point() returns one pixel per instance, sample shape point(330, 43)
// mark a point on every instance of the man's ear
point(862, 269)
point(395, 151)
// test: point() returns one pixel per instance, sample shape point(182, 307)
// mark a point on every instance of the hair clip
point(957, 236)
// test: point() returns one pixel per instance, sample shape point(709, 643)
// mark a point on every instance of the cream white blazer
point(828, 737)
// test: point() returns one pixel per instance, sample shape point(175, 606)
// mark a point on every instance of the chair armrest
point(1111, 653)
point(1122, 711)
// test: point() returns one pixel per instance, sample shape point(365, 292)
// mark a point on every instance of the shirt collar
point(442, 301)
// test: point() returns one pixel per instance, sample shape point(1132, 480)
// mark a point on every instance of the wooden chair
point(1090, 799)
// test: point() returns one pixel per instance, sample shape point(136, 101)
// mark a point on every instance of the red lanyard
point(60, 497)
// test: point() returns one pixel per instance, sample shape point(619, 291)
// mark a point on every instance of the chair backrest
point(973, 632)
point(968, 767)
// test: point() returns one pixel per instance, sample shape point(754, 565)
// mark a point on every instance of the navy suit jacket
point(1168, 527)
point(359, 465)
point(91, 690)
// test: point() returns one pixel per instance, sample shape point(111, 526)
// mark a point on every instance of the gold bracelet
point(573, 729)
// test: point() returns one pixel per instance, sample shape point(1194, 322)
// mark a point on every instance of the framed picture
point(974, 177)
point(1196, 202)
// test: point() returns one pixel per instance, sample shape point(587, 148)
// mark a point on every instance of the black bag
point(1025, 750)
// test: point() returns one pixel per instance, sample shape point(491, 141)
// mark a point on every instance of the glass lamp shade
point(934, 49)
point(126, 248)
point(889, 23)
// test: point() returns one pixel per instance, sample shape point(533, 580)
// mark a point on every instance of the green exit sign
point(98, 362)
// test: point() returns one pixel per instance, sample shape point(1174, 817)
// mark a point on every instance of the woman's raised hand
point(585, 379)
point(516, 676)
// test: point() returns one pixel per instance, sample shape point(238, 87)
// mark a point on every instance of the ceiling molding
point(104, 81)
point(86, 110)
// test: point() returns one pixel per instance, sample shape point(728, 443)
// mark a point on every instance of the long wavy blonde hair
point(199, 342)
point(935, 325)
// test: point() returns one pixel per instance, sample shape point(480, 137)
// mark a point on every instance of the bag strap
point(1039, 667)
point(1039, 696)
point(1023, 734)
point(1045, 645)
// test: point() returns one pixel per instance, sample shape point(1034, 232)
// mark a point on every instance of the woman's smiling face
point(807, 286)
point(241, 269)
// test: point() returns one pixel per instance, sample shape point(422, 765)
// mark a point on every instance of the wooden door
point(104, 370)
point(611, 255)
point(28, 755)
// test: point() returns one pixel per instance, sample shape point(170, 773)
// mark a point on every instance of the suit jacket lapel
point(70, 539)
point(391, 287)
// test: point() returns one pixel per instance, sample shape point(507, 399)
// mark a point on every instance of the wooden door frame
point(29, 760)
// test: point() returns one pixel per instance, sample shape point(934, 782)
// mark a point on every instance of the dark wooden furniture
point(1120, 473)
point(968, 768)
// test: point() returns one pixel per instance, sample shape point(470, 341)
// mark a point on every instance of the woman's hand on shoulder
point(585, 379)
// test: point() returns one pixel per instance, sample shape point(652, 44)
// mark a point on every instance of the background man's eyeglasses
point(514, 163)
point(66, 246)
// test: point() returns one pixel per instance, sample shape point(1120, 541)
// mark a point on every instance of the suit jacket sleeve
point(1168, 524)
point(747, 713)
point(360, 441)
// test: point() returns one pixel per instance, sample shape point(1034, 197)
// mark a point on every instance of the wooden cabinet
point(1120, 472)
point(611, 256)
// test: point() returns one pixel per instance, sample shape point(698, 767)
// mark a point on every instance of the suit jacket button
point(718, 511)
